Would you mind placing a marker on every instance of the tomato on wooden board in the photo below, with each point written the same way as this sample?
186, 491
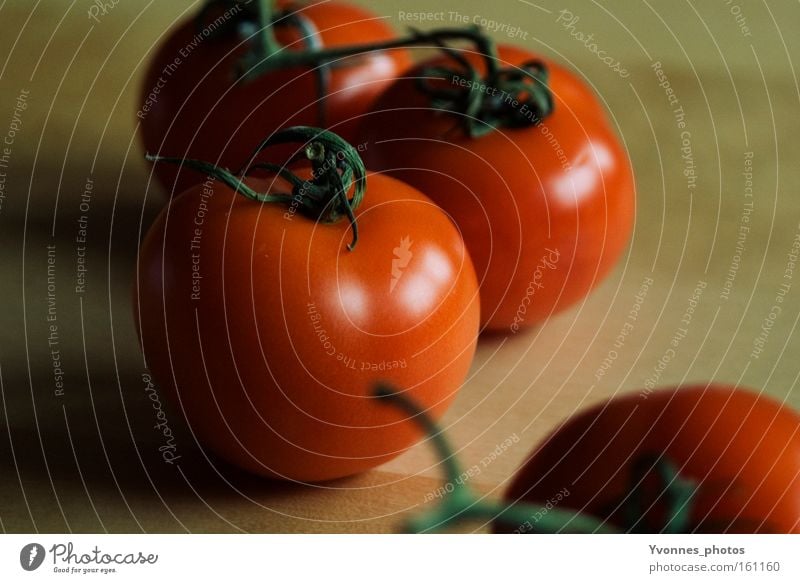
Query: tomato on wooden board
741, 450
198, 109
269, 334
545, 210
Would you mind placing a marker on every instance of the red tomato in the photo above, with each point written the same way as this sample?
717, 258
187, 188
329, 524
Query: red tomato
269, 334
741, 450
545, 210
198, 109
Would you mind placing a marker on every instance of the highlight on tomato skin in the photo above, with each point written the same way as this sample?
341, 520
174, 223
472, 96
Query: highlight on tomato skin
739, 449
268, 333
199, 109
546, 210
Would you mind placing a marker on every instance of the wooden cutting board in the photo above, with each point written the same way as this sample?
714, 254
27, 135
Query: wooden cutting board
88, 459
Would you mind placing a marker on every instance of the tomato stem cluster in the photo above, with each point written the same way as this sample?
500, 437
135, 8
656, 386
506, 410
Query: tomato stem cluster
508, 97
518, 96
336, 170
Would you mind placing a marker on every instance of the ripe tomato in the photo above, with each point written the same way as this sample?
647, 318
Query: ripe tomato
198, 109
741, 450
269, 334
545, 210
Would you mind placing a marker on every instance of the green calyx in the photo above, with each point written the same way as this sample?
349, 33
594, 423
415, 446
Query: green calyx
461, 504
336, 169
672, 491
506, 97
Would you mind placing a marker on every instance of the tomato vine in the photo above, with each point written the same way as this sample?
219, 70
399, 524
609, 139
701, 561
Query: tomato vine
336, 170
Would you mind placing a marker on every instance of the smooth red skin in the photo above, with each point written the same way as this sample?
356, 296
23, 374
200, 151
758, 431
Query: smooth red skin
741, 448
250, 337
204, 113
509, 194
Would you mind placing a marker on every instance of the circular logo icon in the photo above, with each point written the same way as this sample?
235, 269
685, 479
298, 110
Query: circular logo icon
31, 556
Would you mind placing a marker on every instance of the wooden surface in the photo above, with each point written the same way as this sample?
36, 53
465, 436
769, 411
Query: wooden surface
88, 460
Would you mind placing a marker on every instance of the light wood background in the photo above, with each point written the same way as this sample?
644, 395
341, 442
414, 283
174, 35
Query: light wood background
88, 460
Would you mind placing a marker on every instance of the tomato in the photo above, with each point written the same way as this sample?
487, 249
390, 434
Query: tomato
545, 210
198, 109
739, 449
269, 334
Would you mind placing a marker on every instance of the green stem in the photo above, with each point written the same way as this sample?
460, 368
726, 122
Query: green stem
526, 98
284, 59
267, 10
262, 14
520, 98
313, 42
462, 504
336, 169
674, 490
223, 175
452, 468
